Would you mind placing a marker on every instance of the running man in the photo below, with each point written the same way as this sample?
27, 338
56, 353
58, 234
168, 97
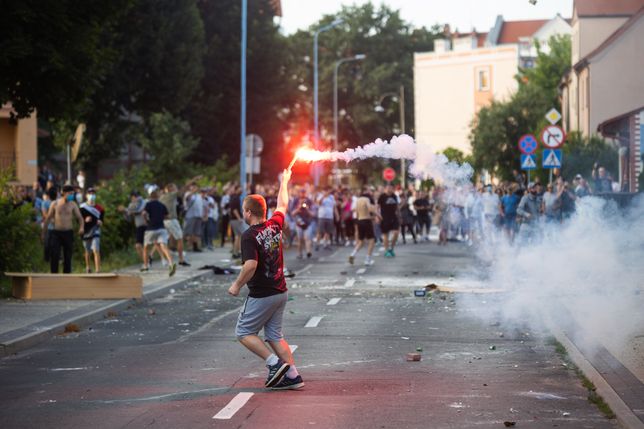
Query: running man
365, 211
390, 214
62, 212
156, 234
263, 272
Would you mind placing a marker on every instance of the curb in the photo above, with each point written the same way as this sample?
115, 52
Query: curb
29, 336
625, 416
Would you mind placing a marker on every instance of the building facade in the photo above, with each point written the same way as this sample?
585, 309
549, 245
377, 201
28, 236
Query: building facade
603, 92
466, 72
19, 146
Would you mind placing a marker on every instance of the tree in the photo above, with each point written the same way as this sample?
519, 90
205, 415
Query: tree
55, 54
497, 128
169, 143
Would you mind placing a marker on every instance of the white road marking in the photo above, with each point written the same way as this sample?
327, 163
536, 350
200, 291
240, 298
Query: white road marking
293, 347
322, 259
233, 406
313, 322
361, 271
349, 282
83, 368
333, 301
303, 270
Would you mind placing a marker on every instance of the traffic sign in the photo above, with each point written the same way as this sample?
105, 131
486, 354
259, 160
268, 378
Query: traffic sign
553, 116
528, 144
553, 136
551, 158
389, 174
528, 162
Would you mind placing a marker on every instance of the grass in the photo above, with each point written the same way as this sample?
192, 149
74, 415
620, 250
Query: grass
593, 396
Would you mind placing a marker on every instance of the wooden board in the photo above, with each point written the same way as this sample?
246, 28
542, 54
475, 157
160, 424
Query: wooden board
100, 275
69, 286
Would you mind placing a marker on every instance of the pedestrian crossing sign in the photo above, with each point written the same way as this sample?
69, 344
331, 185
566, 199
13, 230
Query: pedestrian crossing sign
552, 158
528, 162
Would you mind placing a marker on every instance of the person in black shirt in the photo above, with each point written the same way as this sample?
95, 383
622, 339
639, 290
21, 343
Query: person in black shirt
390, 214
263, 272
155, 233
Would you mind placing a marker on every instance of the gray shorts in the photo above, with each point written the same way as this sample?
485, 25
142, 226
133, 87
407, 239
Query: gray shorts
326, 226
192, 226
238, 226
155, 236
261, 313
93, 244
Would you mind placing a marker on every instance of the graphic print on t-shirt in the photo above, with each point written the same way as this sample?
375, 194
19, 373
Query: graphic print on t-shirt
263, 243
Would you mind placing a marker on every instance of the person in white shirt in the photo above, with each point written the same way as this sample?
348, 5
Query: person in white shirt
327, 212
491, 204
210, 225
192, 224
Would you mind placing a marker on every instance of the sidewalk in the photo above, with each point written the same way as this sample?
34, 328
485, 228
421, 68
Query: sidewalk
24, 324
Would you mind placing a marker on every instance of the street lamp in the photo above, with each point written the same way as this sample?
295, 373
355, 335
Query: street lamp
316, 131
400, 98
358, 57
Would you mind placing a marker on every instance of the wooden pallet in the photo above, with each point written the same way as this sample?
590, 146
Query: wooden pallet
75, 286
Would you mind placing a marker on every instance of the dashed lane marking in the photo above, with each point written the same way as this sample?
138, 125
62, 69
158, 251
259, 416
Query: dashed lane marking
313, 322
293, 347
303, 270
349, 282
361, 271
333, 301
233, 406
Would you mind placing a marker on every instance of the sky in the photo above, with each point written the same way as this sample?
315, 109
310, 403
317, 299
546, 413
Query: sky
459, 14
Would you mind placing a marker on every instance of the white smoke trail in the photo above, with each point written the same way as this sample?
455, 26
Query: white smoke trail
426, 165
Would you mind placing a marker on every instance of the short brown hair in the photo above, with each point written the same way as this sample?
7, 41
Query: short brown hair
256, 204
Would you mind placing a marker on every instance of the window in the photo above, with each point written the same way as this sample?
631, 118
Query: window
483, 79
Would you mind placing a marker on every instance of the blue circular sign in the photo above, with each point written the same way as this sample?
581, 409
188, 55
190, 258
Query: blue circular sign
528, 144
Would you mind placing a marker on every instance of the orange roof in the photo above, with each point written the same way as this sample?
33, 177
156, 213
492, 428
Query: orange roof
607, 7
480, 39
513, 30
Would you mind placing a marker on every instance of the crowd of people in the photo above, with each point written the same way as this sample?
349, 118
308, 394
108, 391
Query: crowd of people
192, 218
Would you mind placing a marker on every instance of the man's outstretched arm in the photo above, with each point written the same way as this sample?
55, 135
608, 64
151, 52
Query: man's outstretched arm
282, 195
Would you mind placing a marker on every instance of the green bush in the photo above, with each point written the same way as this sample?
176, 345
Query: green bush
20, 249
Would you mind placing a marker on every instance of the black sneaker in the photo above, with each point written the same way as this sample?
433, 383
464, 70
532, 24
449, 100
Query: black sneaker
184, 264
289, 384
276, 372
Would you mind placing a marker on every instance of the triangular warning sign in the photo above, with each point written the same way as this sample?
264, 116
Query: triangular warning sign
552, 160
528, 162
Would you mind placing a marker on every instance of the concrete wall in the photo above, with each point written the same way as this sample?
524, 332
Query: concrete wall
617, 77
446, 95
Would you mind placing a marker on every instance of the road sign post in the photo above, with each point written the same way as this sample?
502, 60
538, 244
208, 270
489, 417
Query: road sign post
553, 136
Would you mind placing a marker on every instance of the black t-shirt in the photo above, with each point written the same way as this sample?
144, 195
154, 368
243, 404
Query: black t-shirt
156, 214
95, 213
235, 204
388, 206
422, 206
263, 243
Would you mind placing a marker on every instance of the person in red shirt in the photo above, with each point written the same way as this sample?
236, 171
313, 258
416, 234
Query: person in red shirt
263, 272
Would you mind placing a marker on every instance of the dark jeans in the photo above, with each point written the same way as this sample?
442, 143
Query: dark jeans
209, 232
225, 220
64, 239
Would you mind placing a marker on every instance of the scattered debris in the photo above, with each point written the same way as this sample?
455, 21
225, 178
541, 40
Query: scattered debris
413, 357
405, 338
492, 347
71, 327
152, 312
566, 414
112, 314
431, 286
172, 291
509, 424
419, 349
420, 292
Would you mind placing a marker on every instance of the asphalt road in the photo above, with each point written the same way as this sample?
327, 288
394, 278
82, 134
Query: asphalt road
174, 362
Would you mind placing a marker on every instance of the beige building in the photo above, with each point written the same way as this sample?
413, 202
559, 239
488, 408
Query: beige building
467, 71
604, 89
19, 146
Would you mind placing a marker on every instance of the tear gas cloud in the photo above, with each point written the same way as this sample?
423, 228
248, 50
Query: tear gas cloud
583, 277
